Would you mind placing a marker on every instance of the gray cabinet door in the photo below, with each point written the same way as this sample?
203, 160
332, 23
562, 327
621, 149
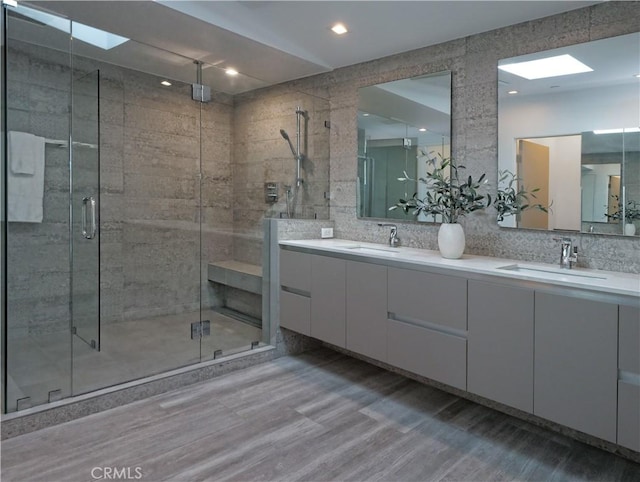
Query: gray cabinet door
500, 344
434, 298
328, 299
295, 270
576, 361
629, 391
295, 312
629, 356
436, 355
367, 309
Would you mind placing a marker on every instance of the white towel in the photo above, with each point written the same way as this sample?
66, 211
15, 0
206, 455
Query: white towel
25, 192
26, 151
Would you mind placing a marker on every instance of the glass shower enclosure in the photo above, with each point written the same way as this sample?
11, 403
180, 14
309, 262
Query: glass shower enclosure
110, 218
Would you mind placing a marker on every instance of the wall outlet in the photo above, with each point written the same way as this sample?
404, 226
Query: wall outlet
326, 233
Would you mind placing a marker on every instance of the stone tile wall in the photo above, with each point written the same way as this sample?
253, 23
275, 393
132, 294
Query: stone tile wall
473, 61
262, 155
38, 273
150, 191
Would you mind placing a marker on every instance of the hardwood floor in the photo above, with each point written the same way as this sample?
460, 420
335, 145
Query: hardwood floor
321, 416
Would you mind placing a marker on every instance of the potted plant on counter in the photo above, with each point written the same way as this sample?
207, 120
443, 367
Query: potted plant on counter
449, 195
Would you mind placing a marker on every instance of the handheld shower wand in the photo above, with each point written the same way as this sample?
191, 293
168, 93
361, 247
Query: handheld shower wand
284, 134
296, 154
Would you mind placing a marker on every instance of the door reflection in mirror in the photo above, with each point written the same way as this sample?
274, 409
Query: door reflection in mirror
590, 123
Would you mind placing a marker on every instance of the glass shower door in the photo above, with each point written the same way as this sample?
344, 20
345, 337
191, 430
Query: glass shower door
85, 192
37, 289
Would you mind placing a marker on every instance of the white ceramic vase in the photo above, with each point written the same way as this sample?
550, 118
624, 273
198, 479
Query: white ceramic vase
451, 240
629, 229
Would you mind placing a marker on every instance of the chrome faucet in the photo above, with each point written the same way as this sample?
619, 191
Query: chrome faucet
567, 255
394, 240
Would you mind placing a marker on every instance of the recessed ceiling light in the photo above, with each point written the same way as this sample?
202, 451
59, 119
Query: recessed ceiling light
549, 67
339, 29
638, 76
365, 114
166, 83
231, 72
422, 129
512, 92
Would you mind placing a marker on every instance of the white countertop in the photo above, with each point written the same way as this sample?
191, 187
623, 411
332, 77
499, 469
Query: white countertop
627, 284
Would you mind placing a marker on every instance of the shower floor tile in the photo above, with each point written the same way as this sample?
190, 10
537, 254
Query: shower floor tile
128, 350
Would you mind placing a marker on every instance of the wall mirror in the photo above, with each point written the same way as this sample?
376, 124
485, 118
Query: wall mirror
574, 136
400, 125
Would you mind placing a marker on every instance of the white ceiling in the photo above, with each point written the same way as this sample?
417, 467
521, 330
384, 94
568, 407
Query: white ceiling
276, 41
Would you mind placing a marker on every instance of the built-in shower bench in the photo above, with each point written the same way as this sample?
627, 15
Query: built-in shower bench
241, 293
236, 274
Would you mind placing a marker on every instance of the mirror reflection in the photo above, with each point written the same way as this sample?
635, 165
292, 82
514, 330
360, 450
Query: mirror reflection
401, 125
574, 136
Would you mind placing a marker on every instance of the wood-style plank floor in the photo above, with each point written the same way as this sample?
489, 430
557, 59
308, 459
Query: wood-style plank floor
316, 417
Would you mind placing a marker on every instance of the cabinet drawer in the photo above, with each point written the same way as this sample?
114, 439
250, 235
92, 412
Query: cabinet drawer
429, 297
295, 270
629, 415
439, 356
295, 312
629, 339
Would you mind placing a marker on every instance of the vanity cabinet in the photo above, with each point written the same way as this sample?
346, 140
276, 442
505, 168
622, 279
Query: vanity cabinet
367, 309
576, 362
295, 270
314, 291
566, 355
426, 329
629, 380
328, 299
295, 291
500, 339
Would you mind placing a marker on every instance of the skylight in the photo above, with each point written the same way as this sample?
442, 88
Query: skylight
95, 36
91, 35
617, 131
544, 68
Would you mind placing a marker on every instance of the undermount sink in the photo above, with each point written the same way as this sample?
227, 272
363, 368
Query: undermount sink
370, 249
540, 270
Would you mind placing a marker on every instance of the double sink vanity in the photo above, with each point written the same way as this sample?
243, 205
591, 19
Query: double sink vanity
562, 345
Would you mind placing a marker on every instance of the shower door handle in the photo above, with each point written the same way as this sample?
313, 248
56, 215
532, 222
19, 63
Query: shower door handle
88, 227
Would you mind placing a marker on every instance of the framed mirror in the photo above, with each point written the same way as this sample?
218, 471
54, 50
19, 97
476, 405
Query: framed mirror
575, 137
400, 125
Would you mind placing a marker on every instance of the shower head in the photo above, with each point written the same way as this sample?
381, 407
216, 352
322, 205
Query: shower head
284, 134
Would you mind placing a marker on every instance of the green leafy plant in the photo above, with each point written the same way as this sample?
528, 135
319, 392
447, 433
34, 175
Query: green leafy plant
631, 211
512, 198
449, 194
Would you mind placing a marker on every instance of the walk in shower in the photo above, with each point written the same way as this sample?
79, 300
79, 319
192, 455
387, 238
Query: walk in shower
114, 216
